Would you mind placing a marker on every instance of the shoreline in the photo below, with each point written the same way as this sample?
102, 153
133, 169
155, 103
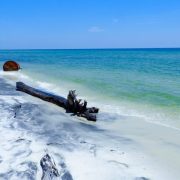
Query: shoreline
26, 137
67, 140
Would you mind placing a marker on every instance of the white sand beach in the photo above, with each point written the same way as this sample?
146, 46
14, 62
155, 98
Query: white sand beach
125, 149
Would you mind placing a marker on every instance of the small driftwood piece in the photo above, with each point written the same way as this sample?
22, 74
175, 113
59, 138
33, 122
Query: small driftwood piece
49, 168
71, 104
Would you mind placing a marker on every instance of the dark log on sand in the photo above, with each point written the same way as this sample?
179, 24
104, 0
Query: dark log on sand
11, 66
58, 100
71, 104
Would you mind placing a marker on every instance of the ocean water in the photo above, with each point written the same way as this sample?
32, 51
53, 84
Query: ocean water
136, 82
137, 133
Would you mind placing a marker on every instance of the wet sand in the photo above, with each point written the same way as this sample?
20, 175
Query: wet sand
30, 128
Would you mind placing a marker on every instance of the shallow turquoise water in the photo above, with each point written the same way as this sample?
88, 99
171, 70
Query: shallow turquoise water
144, 77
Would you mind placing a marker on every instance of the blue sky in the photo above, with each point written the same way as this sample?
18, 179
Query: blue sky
89, 23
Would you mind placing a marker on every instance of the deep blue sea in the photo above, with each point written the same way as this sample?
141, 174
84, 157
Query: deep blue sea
136, 82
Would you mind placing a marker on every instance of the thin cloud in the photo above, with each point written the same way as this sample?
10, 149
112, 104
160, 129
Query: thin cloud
95, 29
115, 20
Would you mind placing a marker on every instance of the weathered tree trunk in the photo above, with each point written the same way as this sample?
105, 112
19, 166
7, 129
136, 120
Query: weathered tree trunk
71, 104
58, 100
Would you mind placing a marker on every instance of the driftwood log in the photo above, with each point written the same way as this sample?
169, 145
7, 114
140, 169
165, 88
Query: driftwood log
51, 172
49, 168
71, 104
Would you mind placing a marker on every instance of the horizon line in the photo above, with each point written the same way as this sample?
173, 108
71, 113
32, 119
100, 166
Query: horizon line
90, 48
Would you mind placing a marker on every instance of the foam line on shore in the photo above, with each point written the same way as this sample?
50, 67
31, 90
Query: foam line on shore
125, 109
